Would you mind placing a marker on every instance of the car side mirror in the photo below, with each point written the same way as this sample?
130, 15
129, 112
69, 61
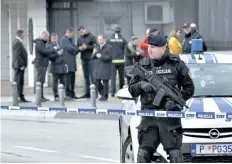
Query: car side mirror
124, 94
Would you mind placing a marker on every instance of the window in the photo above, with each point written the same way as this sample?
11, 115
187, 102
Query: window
62, 5
158, 13
154, 13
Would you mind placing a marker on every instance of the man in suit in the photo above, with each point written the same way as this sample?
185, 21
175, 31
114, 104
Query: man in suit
58, 67
70, 52
102, 64
19, 63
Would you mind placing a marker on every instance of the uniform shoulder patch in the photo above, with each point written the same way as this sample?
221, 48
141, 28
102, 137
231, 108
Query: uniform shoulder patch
174, 57
145, 61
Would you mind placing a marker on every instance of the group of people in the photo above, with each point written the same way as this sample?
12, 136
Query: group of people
101, 58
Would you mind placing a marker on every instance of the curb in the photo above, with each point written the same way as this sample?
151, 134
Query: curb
62, 115
56, 115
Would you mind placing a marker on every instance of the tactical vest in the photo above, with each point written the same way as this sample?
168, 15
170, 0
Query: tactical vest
169, 71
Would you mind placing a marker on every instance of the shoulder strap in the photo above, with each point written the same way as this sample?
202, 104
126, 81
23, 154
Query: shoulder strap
175, 58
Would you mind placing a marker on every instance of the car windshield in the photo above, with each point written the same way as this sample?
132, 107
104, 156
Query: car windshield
212, 79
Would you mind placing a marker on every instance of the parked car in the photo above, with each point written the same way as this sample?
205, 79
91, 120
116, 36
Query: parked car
204, 140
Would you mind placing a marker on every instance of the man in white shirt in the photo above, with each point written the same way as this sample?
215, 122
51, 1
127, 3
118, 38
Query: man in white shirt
19, 63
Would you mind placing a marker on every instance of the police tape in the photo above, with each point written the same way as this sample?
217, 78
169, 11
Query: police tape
151, 113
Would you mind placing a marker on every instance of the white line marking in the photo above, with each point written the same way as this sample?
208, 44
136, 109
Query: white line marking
98, 158
35, 149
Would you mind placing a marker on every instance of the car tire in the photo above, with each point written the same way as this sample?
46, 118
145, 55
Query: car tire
127, 151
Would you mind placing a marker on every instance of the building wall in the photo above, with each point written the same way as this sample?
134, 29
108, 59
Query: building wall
215, 23
15, 15
5, 56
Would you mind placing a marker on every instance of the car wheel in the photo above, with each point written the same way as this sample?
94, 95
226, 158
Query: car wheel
127, 151
128, 154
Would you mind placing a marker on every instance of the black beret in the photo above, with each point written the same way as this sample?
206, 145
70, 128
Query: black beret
157, 40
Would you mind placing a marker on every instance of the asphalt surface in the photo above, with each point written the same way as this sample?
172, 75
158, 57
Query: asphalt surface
53, 140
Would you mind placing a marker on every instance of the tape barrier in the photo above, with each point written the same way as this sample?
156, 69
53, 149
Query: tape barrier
151, 113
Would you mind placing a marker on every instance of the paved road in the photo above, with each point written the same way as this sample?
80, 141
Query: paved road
59, 140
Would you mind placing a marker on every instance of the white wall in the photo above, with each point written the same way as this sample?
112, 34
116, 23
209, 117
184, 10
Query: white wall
5, 75
36, 11
13, 18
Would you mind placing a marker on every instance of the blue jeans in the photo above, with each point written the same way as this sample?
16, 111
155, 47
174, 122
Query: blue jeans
87, 67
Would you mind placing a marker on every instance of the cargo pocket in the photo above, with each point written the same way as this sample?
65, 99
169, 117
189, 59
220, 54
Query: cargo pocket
177, 133
141, 130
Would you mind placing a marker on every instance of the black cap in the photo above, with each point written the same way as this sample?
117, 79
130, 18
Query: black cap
157, 40
186, 25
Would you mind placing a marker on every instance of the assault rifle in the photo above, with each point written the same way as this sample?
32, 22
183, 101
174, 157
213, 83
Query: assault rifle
160, 86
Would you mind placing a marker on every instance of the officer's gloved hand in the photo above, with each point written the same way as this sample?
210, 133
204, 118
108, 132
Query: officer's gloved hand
170, 105
146, 86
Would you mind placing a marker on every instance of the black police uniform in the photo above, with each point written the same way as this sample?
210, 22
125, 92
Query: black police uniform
152, 130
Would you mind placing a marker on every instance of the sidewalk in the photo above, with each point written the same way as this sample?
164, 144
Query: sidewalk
112, 103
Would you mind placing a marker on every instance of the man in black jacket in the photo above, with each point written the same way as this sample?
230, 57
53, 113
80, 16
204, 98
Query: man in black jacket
70, 52
118, 44
19, 63
42, 53
86, 44
58, 67
132, 54
191, 33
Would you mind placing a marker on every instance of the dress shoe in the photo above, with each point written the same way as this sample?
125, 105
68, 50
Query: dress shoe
74, 97
44, 99
56, 99
84, 96
24, 100
68, 98
103, 99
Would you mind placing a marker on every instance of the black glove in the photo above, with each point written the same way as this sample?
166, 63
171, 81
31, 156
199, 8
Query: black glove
169, 105
146, 86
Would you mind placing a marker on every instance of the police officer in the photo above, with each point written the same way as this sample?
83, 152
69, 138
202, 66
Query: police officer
152, 130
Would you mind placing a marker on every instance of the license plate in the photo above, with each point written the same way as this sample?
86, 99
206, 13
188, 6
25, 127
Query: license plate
211, 149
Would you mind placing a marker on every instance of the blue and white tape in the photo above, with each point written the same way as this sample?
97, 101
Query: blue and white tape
152, 113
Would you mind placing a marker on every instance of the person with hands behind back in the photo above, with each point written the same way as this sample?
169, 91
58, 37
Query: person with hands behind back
102, 67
